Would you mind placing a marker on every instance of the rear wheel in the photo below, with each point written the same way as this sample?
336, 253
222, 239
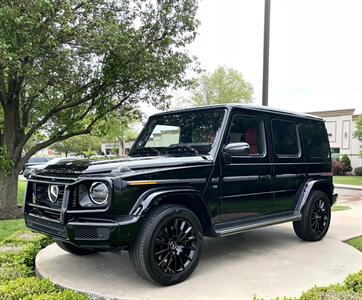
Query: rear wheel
316, 218
74, 249
167, 248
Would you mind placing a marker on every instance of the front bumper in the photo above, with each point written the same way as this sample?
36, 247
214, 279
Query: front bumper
88, 233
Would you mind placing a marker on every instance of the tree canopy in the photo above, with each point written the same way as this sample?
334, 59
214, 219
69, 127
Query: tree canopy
65, 65
358, 132
224, 85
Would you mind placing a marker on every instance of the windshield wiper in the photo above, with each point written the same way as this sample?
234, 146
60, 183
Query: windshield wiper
148, 151
181, 149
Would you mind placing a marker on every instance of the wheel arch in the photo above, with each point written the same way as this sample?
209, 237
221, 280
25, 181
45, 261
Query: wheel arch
323, 185
189, 198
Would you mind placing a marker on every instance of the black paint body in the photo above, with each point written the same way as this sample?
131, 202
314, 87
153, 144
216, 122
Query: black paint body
224, 192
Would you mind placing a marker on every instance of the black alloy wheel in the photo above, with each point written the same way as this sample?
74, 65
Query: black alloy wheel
175, 246
316, 217
168, 246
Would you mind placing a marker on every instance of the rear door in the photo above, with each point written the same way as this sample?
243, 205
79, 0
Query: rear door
246, 180
288, 166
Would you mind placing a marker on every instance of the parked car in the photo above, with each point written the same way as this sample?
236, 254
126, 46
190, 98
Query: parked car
29, 170
211, 171
36, 160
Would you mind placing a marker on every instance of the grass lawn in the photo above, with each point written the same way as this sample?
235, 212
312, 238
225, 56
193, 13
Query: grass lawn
351, 180
7, 227
356, 242
21, 192
340, 207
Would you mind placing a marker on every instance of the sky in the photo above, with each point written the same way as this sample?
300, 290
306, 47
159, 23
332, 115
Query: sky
315, 49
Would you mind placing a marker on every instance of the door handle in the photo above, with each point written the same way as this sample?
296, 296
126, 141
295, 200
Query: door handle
264, 177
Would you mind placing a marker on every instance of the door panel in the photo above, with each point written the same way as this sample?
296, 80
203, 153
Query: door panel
246, 180
288, 164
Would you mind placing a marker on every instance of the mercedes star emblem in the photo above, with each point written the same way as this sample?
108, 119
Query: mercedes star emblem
53, 192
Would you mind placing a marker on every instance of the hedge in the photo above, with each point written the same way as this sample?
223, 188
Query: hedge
17, 278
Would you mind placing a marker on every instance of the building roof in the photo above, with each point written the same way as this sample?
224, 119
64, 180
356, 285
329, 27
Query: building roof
333, 113
248, 107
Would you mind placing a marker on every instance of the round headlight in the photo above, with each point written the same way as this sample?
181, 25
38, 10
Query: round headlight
98, 193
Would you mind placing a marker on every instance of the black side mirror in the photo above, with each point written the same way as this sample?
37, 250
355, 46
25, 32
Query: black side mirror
237, 149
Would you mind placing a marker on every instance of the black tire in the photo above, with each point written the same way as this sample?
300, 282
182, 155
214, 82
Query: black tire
74, 249
316, 217
165, 250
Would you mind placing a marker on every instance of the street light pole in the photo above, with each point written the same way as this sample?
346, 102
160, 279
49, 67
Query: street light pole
266, 53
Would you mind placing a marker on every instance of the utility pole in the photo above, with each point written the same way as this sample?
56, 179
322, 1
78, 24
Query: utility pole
266, 53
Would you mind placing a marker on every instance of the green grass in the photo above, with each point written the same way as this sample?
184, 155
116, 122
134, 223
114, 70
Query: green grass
350, 180
8, 227
340, 207
21, 192
356, 242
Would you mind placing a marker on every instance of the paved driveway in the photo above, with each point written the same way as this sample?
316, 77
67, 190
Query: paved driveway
267, 262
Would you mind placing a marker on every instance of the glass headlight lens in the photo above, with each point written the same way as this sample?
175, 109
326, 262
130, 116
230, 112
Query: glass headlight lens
98, 193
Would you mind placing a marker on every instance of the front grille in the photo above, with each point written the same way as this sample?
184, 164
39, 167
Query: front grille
91, 233
50, 227
41, 195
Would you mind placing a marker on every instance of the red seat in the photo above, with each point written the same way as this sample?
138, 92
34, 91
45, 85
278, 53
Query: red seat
251, 137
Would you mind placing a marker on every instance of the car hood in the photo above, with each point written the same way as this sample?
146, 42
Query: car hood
125, 166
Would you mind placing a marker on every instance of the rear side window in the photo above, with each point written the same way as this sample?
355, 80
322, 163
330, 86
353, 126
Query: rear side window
285, 138
315, 141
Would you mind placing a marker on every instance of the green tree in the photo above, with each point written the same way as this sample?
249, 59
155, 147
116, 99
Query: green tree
64, 65
224, 85
346, 163
358, 133
80, 145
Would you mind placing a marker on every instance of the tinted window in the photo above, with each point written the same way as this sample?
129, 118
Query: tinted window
285, 138
248, 130
315, 141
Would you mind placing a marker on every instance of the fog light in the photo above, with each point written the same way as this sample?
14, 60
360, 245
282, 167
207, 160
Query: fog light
98, 193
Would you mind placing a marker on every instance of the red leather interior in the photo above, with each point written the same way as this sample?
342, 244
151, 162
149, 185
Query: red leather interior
251, 137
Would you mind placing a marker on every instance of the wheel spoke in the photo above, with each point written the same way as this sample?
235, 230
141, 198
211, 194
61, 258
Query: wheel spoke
161, 251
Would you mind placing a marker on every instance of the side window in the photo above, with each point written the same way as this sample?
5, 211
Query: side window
315, 141
249, 130
285, 138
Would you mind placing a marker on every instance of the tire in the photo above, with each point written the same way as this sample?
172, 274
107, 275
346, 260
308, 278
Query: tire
74, 249
316, 218
167, 248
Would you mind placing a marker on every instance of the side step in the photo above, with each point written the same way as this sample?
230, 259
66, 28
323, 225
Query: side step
241, 226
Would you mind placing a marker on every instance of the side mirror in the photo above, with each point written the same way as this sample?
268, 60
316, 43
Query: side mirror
237, 149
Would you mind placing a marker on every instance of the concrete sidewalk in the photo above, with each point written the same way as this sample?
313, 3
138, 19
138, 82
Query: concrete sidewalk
268, 262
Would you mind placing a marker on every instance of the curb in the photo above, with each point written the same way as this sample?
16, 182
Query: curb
348, 187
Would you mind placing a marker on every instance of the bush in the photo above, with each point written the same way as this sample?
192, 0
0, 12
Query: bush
22, 287
346, 163
9, 271
354, 282
337, 168
63, 295
358, 171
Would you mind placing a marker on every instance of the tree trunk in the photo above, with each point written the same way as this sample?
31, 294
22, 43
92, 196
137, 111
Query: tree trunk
8, 193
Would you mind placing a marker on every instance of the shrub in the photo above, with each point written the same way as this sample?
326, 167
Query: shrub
63, 295
354, 282
337, 168
358, 171
22, 287
346, 163
9, 271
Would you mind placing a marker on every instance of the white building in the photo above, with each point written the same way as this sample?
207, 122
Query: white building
341, 124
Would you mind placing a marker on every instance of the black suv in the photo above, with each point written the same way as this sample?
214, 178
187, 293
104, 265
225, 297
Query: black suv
211, 171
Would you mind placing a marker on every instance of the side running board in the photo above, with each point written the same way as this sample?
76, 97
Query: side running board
245, 226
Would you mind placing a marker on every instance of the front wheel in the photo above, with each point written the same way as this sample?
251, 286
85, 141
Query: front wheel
168, 246
74, 249
316, 218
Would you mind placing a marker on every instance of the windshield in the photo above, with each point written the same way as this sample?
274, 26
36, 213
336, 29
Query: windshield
180, 134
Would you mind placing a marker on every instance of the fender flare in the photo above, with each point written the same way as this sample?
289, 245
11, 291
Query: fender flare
145, 201
307, 189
